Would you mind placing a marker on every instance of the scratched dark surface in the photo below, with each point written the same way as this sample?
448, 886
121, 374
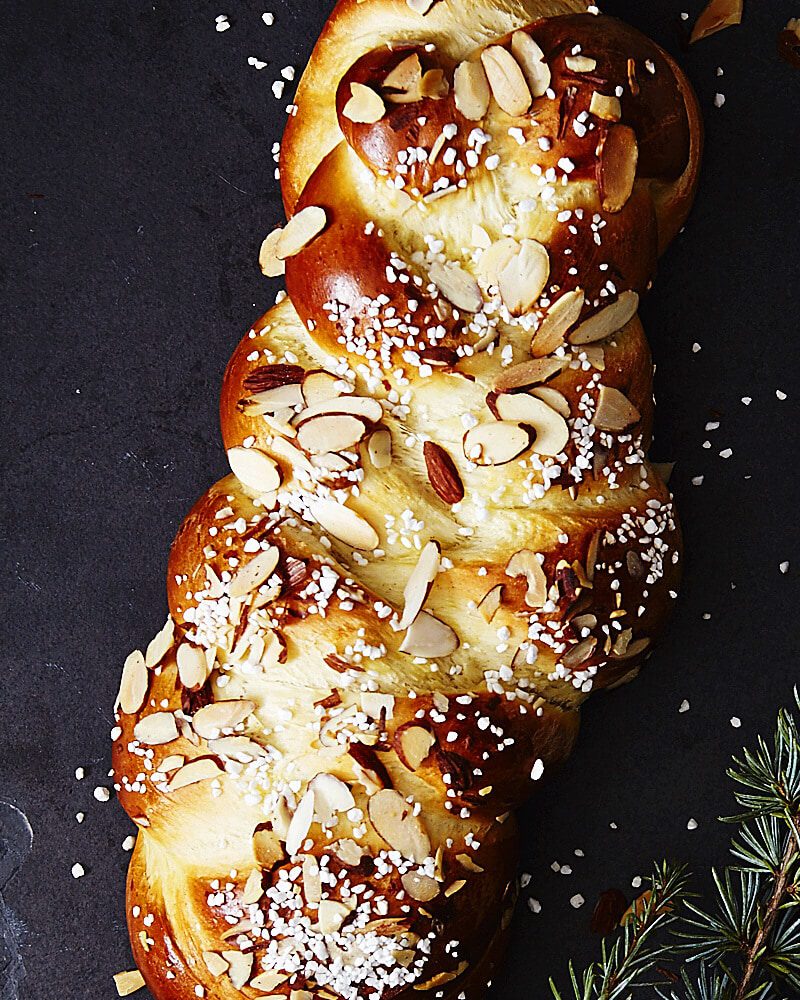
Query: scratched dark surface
136, 187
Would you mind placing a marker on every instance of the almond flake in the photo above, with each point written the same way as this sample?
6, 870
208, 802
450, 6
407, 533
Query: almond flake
269, 980
434, 85
506, 80
552, 432
407, 75
192, 666
312, 883
300, 230
458, 287
490, 602
419, 583
608, 320
215, 963
128, 982
365, 106
495, 443
394, 820
331, 915
253, 888
238, 748
428, 637
717, 15
528, 373
300, 823
420, 6
133, 683
379, 449
343, 523
561, 316
531, 59
240, 966
605, 106
466, 862
331, 797
579, 653
267, 848
524, 277
254, 469
319, 387
471, 90
250, 575
581, 64
614, 410
423, 888
415, 745
618, 155
455, 887
209, 721
330, 433
156, 729
356, 406
526, 563
377, 705
495, 258
160, 645
276, 398
200, 769
271, 265
554, 399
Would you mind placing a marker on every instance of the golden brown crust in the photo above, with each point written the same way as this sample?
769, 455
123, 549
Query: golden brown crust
441, 531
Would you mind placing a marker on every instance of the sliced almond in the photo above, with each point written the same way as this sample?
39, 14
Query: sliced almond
267, 849
471, 90
331, 797
215, 963
331, 915
561, 316
209, 721
580, 64
156, 729
200, 769
605, 106
608, 320
269, 980
271, 265
395, 821
171, 763
240, 966
416, 743
496, 257
312, 883
319, 387
343, 523
506, 80
160, 645
377, 705
466, 862
458, 287
128, 982
434, 84
356, 406
455, 887
406, 75
379, 449
421, 887
614, 410
490, 602
348, 852
254, 469
633, 649
133, 683
300, 230
300, 823
420, 6
531, 59
579, 653
617, 157
419, 583
192, 666
524, 277
429, 637
238, 748
552, 432
365, 105
274, 399
254, 572
330, 432
526, 563
528, 373
554, 399
253, 888
717, 15
496, 443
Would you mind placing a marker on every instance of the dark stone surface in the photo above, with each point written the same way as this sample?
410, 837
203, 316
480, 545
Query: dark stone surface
136, 186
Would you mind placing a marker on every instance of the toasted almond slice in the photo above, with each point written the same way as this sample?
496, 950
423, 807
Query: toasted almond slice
553, 398
192, 666
416, 743
608, 320
524, 277
319, 387
200, 769
579, 653
406, 75
300, 823
343, 523
419, 583
268, 980
379, 448
580, 64
605, 106
466, 862
215, 963
506, 80
442, 473
160, 645
210, 720
250, 575
528, 373
331, 915
238, 748
240, 966
395, 821
633, 649
717, 15
496, 257
365, 105
491, 601
348, 852
532, 62
458, 287
356, 406
171, 763
254, 469
526, 563
253, 888
455, 887
272, 400
421, 887
312, 883
267, 848
428, 637
133, 683
331, 797
156, 729
552, 432
300, 230
434, 84
617, 157
377, 705
330, 432
479, 237
271, 265
128, 982
495, 443
561, 316
614, 410
471, 90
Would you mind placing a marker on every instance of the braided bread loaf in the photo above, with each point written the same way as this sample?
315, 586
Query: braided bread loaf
441, 531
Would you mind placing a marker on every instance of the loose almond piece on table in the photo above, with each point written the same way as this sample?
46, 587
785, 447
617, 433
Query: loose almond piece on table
300, 230
552, 432
133, 683
506, 80
419, 583
429, 637
192, 666
395, 821
442, 473
717, 15
531, 59
271, 265
210, 720
528, 373
614, 410
617, 157
197, 770
496, 443
365, 106
254, 572
560, 317
128, 982
379, 448
526, 563
156, 729
415, 743
254, 469
471, 90
343, 523
605, 106
458, 287
330, 432
524, 277
160, 645
607, 321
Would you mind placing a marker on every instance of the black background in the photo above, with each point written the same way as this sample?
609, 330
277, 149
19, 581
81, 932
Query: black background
137, 184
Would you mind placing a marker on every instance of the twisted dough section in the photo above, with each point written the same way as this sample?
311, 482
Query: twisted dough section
442, 531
